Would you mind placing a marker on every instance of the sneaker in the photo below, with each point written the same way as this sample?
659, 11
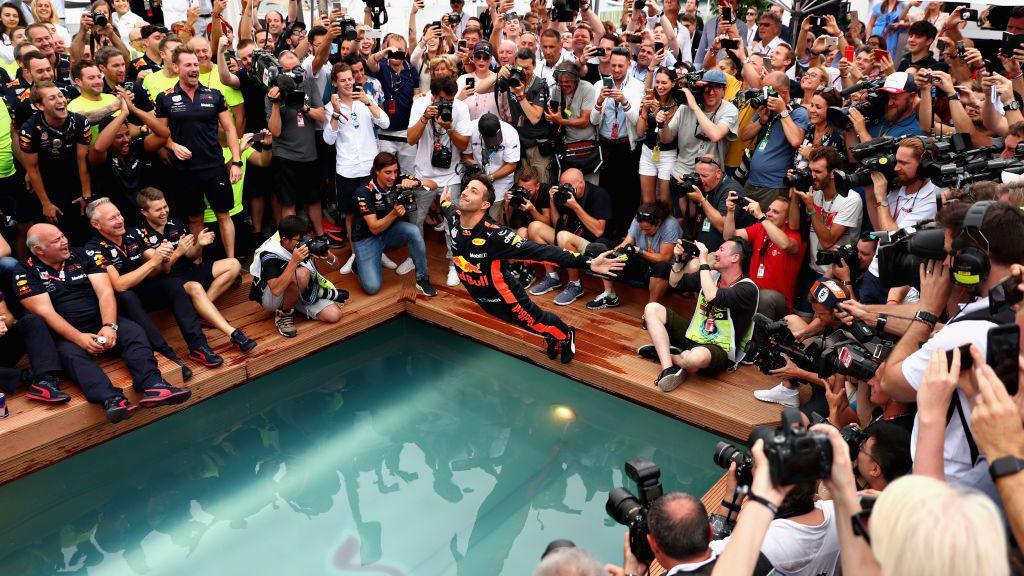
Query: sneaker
163, 394
205, 356
118, 408
285, 322
453, 277
334, 239
552, 347
244, 343
572, 292
47, 390
545, 285
346, 268
670, 378
186, 372
779, 395
424, 287
569, 346
648, 352
603, 301
387, 262
405, 267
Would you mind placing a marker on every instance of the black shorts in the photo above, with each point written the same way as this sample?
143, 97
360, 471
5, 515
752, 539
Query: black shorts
211, 184
638, 271
17, 202
345, 190
259, 181
297, 182
676, 326
201, 273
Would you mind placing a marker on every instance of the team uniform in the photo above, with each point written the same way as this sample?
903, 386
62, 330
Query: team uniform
184, 268
57, 149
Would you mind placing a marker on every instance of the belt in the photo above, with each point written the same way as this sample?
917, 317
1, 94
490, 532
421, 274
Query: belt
391, 138
210, 15
615, 140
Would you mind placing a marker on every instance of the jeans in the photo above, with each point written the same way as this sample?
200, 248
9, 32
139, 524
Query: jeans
369, 251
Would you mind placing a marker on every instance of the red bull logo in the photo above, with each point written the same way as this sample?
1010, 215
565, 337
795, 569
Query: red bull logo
461, 263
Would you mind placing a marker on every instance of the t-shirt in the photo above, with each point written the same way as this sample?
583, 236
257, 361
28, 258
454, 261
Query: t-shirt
173, 232
369, 200
909, 210
194, 124
773, 154
398, 94
125, 258
706, 231
796, 549
536, 94
297, 141
425, 146
58, 153
691, 140
492, 160
771, 268
121, 178
83, 105
844, 211
69, 288
909, 126
584, 98
156, 83
254, 95
667, 233
595, 202
740, 299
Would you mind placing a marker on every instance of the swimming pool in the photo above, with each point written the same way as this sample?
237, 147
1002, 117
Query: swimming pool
406, 450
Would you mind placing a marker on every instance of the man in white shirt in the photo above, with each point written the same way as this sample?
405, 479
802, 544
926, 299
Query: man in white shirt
494, 146
551, 55
769, 27
835, 219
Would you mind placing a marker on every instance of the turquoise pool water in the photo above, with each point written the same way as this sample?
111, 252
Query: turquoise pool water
405, 451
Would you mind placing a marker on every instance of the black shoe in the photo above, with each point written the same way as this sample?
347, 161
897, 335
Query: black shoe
163, 394
244, 343
647, 352
425, 288
186, 372
118, 408
670, 378
47, 390
206, 356
552, 347
569, 346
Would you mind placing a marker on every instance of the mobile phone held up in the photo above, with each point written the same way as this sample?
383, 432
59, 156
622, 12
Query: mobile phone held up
727, 15
1002, 352
470, 83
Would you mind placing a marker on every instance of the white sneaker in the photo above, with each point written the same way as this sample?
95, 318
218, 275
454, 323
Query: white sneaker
405, 267
347, 267
387, 262
453, 277
439, 227
779, 395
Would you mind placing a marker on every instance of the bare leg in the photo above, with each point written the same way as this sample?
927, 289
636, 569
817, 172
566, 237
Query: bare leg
224, 273
655, 318
647, 188
664, 192
331, 314
656, 288
206, 309
572, 242
541, 232
316, 216
693, 359
257, 206
227, 233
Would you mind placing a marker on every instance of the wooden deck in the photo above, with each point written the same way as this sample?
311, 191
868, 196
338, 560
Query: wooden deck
36, 435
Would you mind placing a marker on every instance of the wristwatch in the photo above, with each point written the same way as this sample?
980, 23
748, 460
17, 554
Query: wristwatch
1005, 466
881, 321
238, 163
883, 203
1013, 105
705, 267
111, 325
784, 114
927, 318
953, 96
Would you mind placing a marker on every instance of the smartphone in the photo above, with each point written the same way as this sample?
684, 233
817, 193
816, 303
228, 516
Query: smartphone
658, 47
634, 38
335, 7
599, 52
879, 54
850, 54
817, 21
1002, 352
229, 54
727, 15
509, 16
1011, 42
966, 360
470, 82
832, 41
969, 15
961, 50
730, 43
397, 55
462, 44
607, 83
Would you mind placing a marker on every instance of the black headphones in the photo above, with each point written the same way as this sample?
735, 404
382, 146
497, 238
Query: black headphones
970, 263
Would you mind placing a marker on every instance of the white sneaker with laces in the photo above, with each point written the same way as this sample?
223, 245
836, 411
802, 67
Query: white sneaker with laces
387, 262
779, 395
453, 277
405, 267
347, 267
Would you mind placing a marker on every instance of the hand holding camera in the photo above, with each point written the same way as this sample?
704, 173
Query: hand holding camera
300, 252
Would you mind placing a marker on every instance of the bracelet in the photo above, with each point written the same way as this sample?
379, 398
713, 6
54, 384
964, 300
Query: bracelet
1016, 76
763, 502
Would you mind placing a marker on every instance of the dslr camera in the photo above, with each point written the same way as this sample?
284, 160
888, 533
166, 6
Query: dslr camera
404, 196
99, 19
454, 18
444, 110
348, 29
799, 179
517, 197
516, 77
564, 10
562, 195
317, 247
630, 510
795, 454
846, 254
686, 181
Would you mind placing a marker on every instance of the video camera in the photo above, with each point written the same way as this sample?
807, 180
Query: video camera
631, 511
266, 69
900, 255
772, 342
564, 10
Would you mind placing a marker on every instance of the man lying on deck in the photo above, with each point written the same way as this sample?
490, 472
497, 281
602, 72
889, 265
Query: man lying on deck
481, 251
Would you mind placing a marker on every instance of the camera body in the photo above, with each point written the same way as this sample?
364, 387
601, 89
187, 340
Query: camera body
444, 110
900, 258
853, 436
795, 454
847, 253
687, 181
454, 18
517, 197
562, 195
630, 510
348, 29
317, 247
800, 179
564, 10
266, 69
99, 19
726, 454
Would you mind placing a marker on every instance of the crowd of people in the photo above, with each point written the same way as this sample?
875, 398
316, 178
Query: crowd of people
762, 165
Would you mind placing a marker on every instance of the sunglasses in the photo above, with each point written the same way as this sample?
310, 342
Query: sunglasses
825, 90
703, 160
645, 217
481, 56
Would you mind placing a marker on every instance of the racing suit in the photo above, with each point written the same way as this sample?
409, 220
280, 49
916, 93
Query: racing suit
482, 256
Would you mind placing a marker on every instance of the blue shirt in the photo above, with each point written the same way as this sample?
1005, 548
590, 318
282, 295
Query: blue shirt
773, 154
613, 115
909, 126
398, 90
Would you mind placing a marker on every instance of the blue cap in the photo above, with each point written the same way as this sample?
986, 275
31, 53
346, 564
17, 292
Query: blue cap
714, 76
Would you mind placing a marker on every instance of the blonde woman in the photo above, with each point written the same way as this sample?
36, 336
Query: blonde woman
432, 45
125, 20
43, 12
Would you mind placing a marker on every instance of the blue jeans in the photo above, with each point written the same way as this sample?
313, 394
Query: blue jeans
369, 251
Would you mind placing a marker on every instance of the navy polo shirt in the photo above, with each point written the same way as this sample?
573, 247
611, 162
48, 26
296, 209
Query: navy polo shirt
173, 231
398, 90
126, 257
194, 124
68, 286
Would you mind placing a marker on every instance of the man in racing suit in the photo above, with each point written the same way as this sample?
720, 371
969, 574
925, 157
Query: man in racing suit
481, 252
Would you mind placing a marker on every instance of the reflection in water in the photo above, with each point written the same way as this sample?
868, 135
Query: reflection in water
405, 451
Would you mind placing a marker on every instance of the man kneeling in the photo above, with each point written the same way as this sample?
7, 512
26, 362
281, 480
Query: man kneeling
713, 340
284, 279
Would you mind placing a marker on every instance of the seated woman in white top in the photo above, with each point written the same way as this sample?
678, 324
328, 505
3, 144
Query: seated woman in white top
125, 20
43, 12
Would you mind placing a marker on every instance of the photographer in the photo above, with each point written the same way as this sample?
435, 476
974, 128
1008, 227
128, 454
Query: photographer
399, 83
534, 205
649, 243
856, 277
380, 225
911, 203
777, 130
704, 204
777, 252
713, 340
705, 126
883, 454
900, 118
835, 219
522, 102
569, 111
284, 279
998, 238
494, 147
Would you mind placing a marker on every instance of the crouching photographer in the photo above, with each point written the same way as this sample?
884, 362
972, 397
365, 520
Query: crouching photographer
714, 339
285, 278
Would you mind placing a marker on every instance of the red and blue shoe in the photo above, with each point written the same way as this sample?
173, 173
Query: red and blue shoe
47, 390
163, 394
118, 408
206, 356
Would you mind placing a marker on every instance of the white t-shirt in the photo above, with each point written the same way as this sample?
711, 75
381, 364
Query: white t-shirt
908, 210
799, 550
843, 211
507, 153
425, 146
320, 80
354, 140
956, 454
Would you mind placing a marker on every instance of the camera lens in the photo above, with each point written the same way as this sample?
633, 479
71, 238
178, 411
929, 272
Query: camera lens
724, 454
621, 505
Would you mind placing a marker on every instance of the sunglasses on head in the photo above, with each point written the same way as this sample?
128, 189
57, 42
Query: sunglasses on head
645, 217
703, 160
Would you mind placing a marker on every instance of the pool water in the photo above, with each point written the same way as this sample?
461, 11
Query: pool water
407, 450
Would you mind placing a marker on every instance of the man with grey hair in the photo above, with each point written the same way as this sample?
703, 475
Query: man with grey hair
569, 562
69, 290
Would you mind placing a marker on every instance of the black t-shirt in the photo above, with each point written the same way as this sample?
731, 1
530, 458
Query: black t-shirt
57, 150
928, 62
121, 178
595, 202
69, 288
537, 94
173, 231
519, 218
253, 93
139, 65
370, 200
740, 300
194, 124
124, 258
707, 233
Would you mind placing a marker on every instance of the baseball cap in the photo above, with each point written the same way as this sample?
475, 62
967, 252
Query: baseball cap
149, 29
714, 77
898, 83
483, 46
566, 68
828, 293
490, 130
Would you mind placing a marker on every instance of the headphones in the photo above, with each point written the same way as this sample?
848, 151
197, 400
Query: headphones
970, 263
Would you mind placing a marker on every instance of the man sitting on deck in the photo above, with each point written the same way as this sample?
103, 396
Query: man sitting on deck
481, 250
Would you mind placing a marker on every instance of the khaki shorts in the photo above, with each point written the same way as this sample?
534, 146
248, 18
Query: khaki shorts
676, 326
273, 303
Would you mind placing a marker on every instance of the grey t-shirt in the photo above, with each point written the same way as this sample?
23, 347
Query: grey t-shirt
691, 140
667, 233
297, 143
584, 98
